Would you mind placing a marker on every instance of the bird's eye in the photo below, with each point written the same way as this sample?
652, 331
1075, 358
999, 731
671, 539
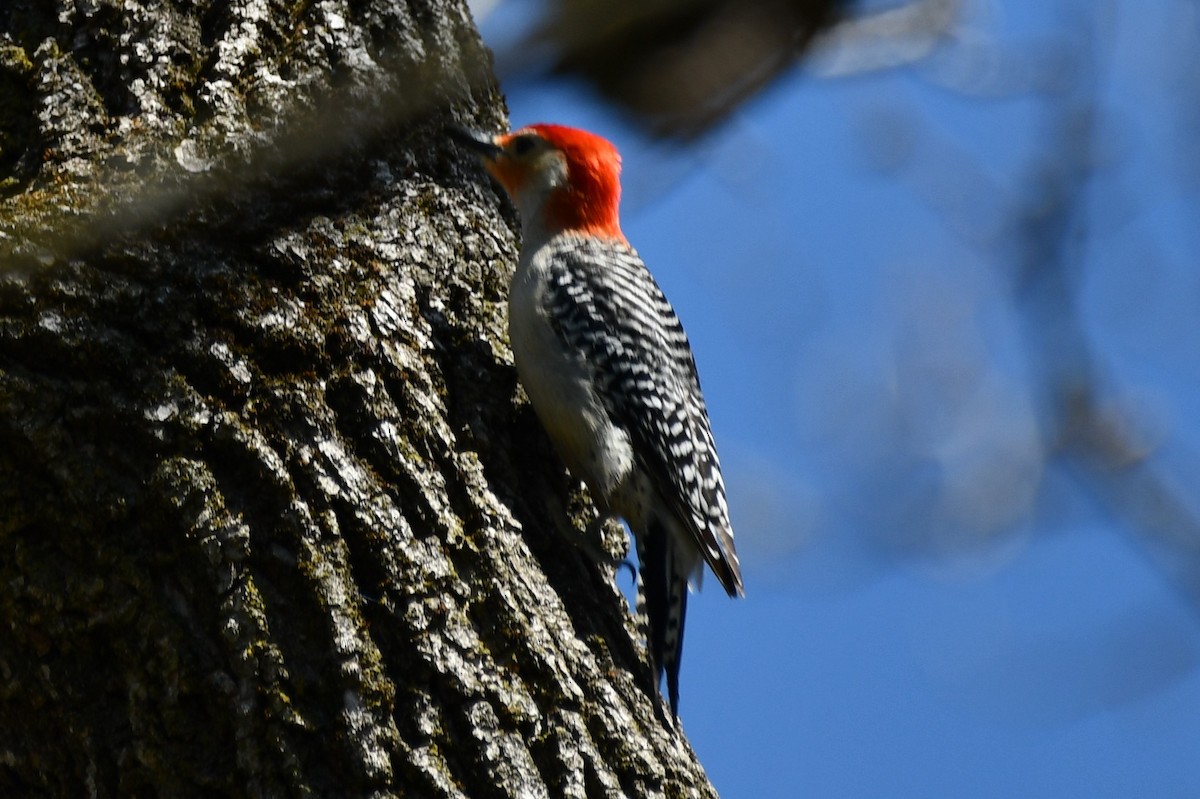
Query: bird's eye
523, 145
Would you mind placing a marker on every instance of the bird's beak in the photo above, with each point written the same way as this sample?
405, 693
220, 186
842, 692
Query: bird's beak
481, 144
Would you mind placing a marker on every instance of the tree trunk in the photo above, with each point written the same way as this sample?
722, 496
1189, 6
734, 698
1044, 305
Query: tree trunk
274, 518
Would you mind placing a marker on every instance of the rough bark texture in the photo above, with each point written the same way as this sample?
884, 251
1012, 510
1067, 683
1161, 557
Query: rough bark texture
274, 519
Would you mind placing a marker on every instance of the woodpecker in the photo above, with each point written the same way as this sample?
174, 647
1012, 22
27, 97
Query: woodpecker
610, 373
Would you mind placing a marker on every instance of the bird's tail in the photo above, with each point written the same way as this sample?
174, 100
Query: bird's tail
662, 602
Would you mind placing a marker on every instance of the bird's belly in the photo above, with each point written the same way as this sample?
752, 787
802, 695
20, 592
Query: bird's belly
559, 385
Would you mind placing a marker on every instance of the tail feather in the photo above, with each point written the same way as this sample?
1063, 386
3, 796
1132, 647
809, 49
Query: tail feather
663, 596
673, 646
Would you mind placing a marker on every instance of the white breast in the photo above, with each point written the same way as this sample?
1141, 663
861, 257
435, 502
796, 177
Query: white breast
559, 385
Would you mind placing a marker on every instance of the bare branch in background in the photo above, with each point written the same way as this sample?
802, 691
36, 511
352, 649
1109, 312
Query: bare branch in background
887, 39
683, 67
1097, 439
1038, 232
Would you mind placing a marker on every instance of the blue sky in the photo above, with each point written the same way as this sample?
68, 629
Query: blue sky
935, 605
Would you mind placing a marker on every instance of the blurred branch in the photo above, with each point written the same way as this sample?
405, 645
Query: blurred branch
682, 67
1040, 231
1095, 440
886, 39
1043, 232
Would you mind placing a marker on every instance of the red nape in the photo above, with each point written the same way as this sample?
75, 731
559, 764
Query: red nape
590, 201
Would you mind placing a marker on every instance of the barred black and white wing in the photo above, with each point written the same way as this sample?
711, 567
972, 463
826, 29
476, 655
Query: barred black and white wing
606, 306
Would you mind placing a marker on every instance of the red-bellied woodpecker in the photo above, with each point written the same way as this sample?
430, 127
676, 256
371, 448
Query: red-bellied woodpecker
610, 372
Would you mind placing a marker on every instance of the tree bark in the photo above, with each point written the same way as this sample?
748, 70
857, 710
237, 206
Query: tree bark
274, 517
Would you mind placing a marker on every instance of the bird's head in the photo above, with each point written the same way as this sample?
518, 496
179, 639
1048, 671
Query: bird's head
560, 178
